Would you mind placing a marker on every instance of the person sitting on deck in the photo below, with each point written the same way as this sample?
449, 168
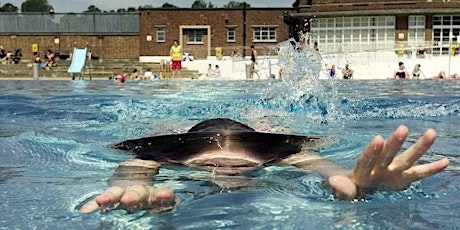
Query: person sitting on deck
49, 59
17, 56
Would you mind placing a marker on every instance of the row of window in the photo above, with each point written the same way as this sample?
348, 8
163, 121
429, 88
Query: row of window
363, 33
344, 34
195, 36
351, 33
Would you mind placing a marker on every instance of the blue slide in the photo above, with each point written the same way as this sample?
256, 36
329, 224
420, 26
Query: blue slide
78, 60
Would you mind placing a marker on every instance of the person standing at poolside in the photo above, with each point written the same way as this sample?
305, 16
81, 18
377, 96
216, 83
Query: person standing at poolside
176, 58
254, 62
347, 72
401, 72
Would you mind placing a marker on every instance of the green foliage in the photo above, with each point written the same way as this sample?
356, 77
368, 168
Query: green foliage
129, 9
168, 5
36, 6
92, 9
202, 4
8, 7
235, 4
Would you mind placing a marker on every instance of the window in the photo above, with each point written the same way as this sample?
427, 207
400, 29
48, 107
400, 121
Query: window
416, 32
195, 36
161, 34
351, 34
231, 34
445, 27
264, 34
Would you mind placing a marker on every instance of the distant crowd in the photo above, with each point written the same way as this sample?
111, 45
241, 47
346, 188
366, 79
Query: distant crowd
8, 57
417, 73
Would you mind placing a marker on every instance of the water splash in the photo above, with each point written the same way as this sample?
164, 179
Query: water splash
300, 90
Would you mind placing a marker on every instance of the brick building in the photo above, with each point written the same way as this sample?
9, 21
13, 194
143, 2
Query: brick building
109, 35
201, 31
350, 25
337, 25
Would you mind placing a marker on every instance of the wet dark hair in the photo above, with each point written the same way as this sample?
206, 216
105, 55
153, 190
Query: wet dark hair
401, 63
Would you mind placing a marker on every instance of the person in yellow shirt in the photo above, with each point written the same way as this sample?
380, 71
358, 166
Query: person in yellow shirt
176, 58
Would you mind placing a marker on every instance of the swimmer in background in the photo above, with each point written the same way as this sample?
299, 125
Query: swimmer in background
148, 74
216, 72
210, 71
417, 72
120, 78
443, 75
401, 72
347, 72
331, 71
134, 75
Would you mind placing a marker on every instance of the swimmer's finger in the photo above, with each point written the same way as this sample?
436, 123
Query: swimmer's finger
411, 155
421, 171
367, 160
135, 196
392, 146
110, 197
89, 207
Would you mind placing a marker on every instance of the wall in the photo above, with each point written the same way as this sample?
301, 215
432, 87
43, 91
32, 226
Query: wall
218, 19
120, 46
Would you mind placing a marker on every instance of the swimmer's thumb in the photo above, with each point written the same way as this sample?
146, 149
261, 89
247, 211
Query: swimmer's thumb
343, 187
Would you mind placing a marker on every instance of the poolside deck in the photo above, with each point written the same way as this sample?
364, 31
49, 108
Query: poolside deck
95, 69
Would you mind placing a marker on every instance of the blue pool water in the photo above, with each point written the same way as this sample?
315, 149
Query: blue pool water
54, 138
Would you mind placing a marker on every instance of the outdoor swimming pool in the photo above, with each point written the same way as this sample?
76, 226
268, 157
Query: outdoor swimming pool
54, 138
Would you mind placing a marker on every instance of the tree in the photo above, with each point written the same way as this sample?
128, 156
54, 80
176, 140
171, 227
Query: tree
168, 5
202, 4
92, 9
36, 6
235, 4
8, 7
129, 9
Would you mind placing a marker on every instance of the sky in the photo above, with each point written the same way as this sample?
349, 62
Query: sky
77, 6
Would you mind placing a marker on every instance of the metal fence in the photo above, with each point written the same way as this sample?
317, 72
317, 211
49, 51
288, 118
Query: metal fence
70, 23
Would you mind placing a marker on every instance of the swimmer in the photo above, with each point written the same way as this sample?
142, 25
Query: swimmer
401, 72
229, 148
347, 72
443, 75
417, 72
120, 78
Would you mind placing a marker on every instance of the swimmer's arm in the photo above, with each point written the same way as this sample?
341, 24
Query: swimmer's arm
379, 167
312, 162
135, 171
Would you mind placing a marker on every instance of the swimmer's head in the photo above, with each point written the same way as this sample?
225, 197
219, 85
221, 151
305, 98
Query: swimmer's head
120, 78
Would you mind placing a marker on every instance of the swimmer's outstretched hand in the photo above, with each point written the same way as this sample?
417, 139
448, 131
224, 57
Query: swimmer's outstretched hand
135, 197
378, 167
